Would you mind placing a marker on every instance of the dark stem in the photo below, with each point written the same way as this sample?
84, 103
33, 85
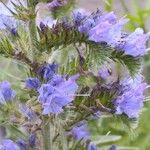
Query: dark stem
22, 57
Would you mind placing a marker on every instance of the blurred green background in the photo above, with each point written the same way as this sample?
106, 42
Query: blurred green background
138, 11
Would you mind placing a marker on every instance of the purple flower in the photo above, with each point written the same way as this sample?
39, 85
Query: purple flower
8, 22
46, 22
107, 31
14, 31
8, 145
32, 83
130, 102
104, 72
80, 132
32, 140
6, 93
96, 115
57, 3
27, 112
22, 144
101, 27
113, 147
57, 93
79, 15
135, 43
91, 147
110, 17
106, 28
47, 71
87, 25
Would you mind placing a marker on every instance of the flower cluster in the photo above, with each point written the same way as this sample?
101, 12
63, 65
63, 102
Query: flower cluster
106, 28
62, 97
131, 99
57, 93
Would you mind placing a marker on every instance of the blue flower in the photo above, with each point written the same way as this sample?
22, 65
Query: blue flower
102, 27
45, 22
78, 16
130, 102
135, 43
32, 140
57, 3
57, 93
27, 112
96, 115
80, 132
86, 26
106, 28
8, 22
6, 93
47, 71
91, 147
8, 144
22, 144
104, 72
32, 83
107, 31
113, 147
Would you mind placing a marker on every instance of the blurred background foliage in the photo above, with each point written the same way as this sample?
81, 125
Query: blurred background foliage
134, 135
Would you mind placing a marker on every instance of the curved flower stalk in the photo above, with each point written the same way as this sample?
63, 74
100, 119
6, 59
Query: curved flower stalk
106, 28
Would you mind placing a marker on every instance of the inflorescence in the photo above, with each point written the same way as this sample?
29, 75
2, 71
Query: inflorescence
57, 92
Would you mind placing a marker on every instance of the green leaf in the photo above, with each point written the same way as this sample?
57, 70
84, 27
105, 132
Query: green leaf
105, 139
98, 54
6, 47
14, 132
133, 64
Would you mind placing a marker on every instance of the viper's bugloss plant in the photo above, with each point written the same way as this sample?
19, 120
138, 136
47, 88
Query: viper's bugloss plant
81, 67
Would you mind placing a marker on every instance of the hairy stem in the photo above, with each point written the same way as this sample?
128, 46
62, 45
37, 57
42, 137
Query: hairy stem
46, 135
32, 33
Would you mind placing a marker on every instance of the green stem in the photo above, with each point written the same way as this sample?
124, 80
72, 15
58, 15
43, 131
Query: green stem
32, 38
46, 135
32, 32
